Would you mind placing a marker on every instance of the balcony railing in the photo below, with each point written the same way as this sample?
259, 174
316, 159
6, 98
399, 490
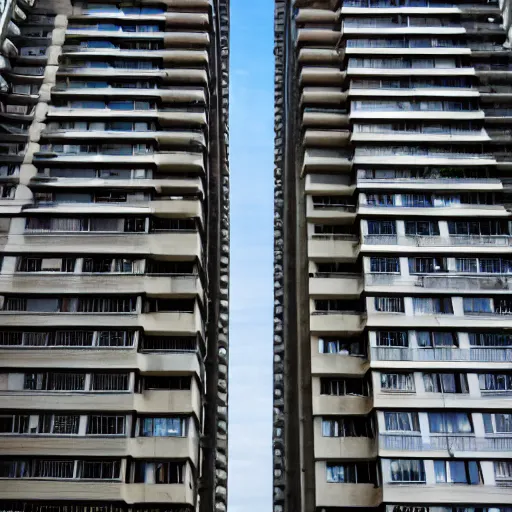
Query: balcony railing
442, 281
438, 241
327, 236
449, 443
476, 354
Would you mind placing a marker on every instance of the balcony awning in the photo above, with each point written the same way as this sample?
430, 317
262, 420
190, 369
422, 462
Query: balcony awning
4, 86
4, 63
19, 14
13, 29
9, 49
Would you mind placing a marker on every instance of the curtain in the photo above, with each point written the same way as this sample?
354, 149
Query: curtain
401, 421
407, 471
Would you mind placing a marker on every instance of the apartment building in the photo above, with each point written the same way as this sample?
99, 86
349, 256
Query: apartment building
393, 256
114, 233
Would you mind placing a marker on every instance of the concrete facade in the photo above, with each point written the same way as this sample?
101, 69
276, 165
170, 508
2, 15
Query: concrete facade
114, 240
393, 229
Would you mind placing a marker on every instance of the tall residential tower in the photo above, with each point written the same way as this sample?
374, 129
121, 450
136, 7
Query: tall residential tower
393, 256
114, 240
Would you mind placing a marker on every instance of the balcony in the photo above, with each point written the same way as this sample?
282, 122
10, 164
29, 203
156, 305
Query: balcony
457, 445
177, 244
161, 401
326, 160
437, 354
350, 495
341, 212
344, 447
441, 282
445, 494
335, 322
54, 490
168, 285
454, 243
92, 446
335, 285
17, 358
333, 247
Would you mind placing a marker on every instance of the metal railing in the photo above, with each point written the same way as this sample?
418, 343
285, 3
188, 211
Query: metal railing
476, 354
449, 443
442, 281
438, 241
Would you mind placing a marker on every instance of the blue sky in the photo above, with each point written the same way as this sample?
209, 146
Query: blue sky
251, 140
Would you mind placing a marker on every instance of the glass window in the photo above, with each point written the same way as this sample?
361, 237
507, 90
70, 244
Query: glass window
402, 421
435, 339
477, 305
457, 472
389, 304
407, 471
163, 427
397, 382
392, 339
445, 383
388, 265
450, 423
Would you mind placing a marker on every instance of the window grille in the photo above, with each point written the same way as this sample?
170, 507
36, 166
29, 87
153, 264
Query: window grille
110, 381
104, 425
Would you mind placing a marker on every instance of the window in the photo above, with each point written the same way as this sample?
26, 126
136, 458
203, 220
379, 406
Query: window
466, 265
52, 468
169, 344
347, 427
99, 470
445, 383
352, 473
116, 338
427, 265
406, 471
165, 472
421, 228
343, 346
495, 266
457, 472
432, 306
389, 304
401, 422
344, 386
381, 227
397, 382
105, 425
499, 423
477, 305
450, 423
163, 427
58, 381
503, 472
58, 424
380, 199
30, 264
483, 227
497, 382
72, 339
388, 265
435, 339
166, 383
392, 339
14, 424
110, 382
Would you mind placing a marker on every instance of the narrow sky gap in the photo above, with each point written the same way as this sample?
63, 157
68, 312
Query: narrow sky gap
251, 139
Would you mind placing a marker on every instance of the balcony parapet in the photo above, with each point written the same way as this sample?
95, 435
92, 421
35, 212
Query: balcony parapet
443, 282
476, 354
438, 241
446, 443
